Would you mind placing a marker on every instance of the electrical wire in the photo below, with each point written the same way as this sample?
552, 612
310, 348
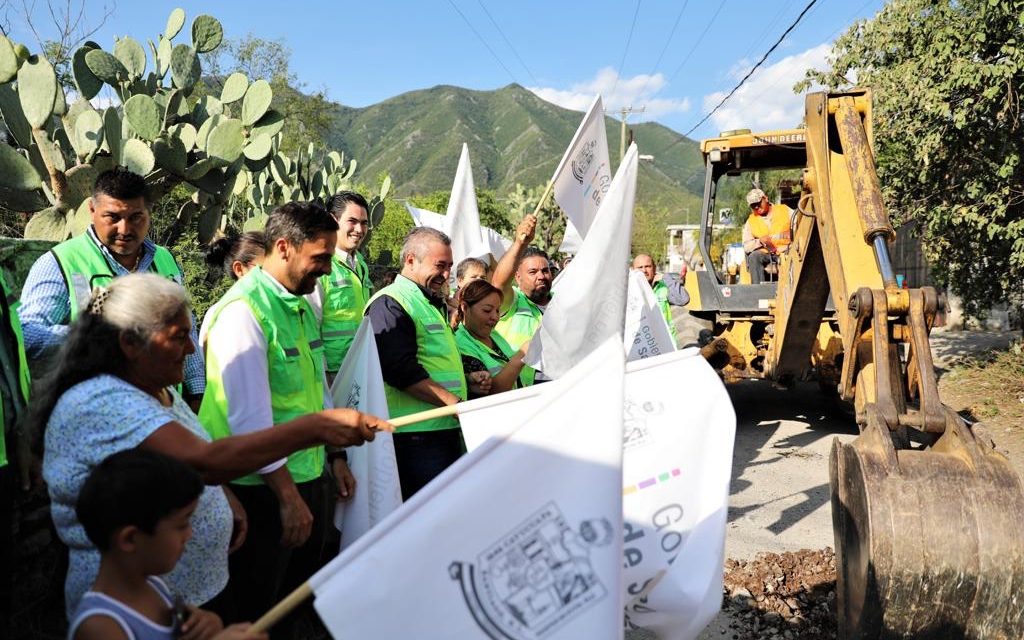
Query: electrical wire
697, 43
664, 49
510, 46
479, 37
755, 67
625, 51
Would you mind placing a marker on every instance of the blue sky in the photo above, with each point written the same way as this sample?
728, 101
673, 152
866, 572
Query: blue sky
365, 52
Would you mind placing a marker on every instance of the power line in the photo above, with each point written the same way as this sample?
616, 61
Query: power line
664, 49
481, 38
755, 67
629, 39
503, 37
697, 43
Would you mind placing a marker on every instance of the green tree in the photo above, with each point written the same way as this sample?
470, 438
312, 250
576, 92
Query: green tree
550, 219
946, 77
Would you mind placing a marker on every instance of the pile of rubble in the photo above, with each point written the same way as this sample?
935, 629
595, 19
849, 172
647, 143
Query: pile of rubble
781, 596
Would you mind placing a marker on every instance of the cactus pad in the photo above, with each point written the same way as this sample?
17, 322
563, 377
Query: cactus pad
185, 68
175, 22
8, 60
88, 133
37, 89
105, 67
225, 141
132, 56
256, 102
144, 116
16, 172
207, 33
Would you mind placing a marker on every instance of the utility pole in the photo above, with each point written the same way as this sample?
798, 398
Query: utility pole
624, 113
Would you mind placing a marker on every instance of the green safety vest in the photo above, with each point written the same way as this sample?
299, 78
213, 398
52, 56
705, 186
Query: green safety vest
661, 292
345, 294
521, 320
84, 266
9, 319
295, 356
436, 352
470, 345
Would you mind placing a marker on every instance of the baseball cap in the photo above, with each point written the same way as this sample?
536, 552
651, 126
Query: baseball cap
754, 196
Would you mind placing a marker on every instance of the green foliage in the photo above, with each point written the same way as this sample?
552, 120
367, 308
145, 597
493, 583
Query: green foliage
946, 78
550, 220
385, 245
649, 233
493, 212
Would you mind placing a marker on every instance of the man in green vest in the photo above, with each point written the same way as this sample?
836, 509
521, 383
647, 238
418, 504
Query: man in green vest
419, 359
523, 304
265, 366
668, 290
115, 244
343, 293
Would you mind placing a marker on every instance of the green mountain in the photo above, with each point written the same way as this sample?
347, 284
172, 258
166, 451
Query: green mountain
513, 136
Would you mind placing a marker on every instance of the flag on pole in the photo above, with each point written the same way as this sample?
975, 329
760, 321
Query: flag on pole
590, 300
494, 243
571, 240
678, 432
359, 385
646, 333
584, 175
521, 538
463, 215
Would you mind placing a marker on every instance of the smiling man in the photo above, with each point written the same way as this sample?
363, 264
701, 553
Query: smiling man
419, 359
116, 244
343, 293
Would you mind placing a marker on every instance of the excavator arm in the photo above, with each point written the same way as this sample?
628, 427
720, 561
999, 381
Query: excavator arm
926, 514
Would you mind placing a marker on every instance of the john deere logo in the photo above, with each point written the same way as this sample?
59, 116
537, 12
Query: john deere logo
536, 578
584, 158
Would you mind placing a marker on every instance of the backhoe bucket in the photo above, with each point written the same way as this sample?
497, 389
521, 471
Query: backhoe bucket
929, 542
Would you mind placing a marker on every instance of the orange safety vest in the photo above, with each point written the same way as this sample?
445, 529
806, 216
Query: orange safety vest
774, 225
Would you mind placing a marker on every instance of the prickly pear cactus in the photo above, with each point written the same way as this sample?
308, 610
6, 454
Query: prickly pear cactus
309, 175
158, 129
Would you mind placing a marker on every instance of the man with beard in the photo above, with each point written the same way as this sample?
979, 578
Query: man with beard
342, 295
523, 305
60, 282
265, 366
419, 358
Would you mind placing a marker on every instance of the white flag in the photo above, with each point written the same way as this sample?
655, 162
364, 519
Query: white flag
494, 243
678, 434
583, 176
463, 215
571, 241
646, 333
521, 538
359, 385
588, 305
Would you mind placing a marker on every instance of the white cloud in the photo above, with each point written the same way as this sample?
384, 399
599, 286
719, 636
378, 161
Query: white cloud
636, 91
767, 100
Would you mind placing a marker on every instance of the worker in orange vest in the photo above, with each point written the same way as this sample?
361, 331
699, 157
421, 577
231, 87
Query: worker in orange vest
766, 233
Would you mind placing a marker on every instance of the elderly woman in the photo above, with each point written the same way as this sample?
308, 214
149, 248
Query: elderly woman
113, 390
482, 349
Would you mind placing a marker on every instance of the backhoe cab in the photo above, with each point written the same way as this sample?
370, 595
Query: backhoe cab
926, 513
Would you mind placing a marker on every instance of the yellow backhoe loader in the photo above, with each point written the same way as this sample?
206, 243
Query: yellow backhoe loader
928, 517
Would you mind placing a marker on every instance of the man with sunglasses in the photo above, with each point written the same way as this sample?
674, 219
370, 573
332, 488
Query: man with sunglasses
766, 233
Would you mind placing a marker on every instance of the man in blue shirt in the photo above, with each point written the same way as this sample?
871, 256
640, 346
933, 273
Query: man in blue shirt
60, 282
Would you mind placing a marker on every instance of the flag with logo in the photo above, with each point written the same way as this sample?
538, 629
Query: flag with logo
646, 333
678, 433
521, 538
588, 305
359, 385
584, 175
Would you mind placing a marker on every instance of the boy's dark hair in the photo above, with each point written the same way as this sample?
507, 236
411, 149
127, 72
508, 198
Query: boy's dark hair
533, 251
135, 487
298, 222
336, 204
121, 184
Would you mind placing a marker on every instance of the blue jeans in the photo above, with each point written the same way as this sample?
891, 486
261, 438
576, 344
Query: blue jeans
423, 455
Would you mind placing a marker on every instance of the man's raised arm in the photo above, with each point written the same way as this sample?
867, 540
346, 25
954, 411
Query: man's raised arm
505, 270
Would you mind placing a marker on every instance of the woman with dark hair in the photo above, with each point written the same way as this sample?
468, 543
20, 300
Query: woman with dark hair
113, 389
482, 349
235, 254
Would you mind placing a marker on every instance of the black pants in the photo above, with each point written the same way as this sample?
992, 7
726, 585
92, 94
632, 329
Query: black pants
422, 456
262, 572
756, 262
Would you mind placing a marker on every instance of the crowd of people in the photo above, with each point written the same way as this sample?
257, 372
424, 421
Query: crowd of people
193, 468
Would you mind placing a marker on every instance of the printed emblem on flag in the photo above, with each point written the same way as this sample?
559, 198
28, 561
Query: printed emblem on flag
635, 432
583, 160
536, 578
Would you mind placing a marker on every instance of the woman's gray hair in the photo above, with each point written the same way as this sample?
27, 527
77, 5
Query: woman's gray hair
417, 240
140, 303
